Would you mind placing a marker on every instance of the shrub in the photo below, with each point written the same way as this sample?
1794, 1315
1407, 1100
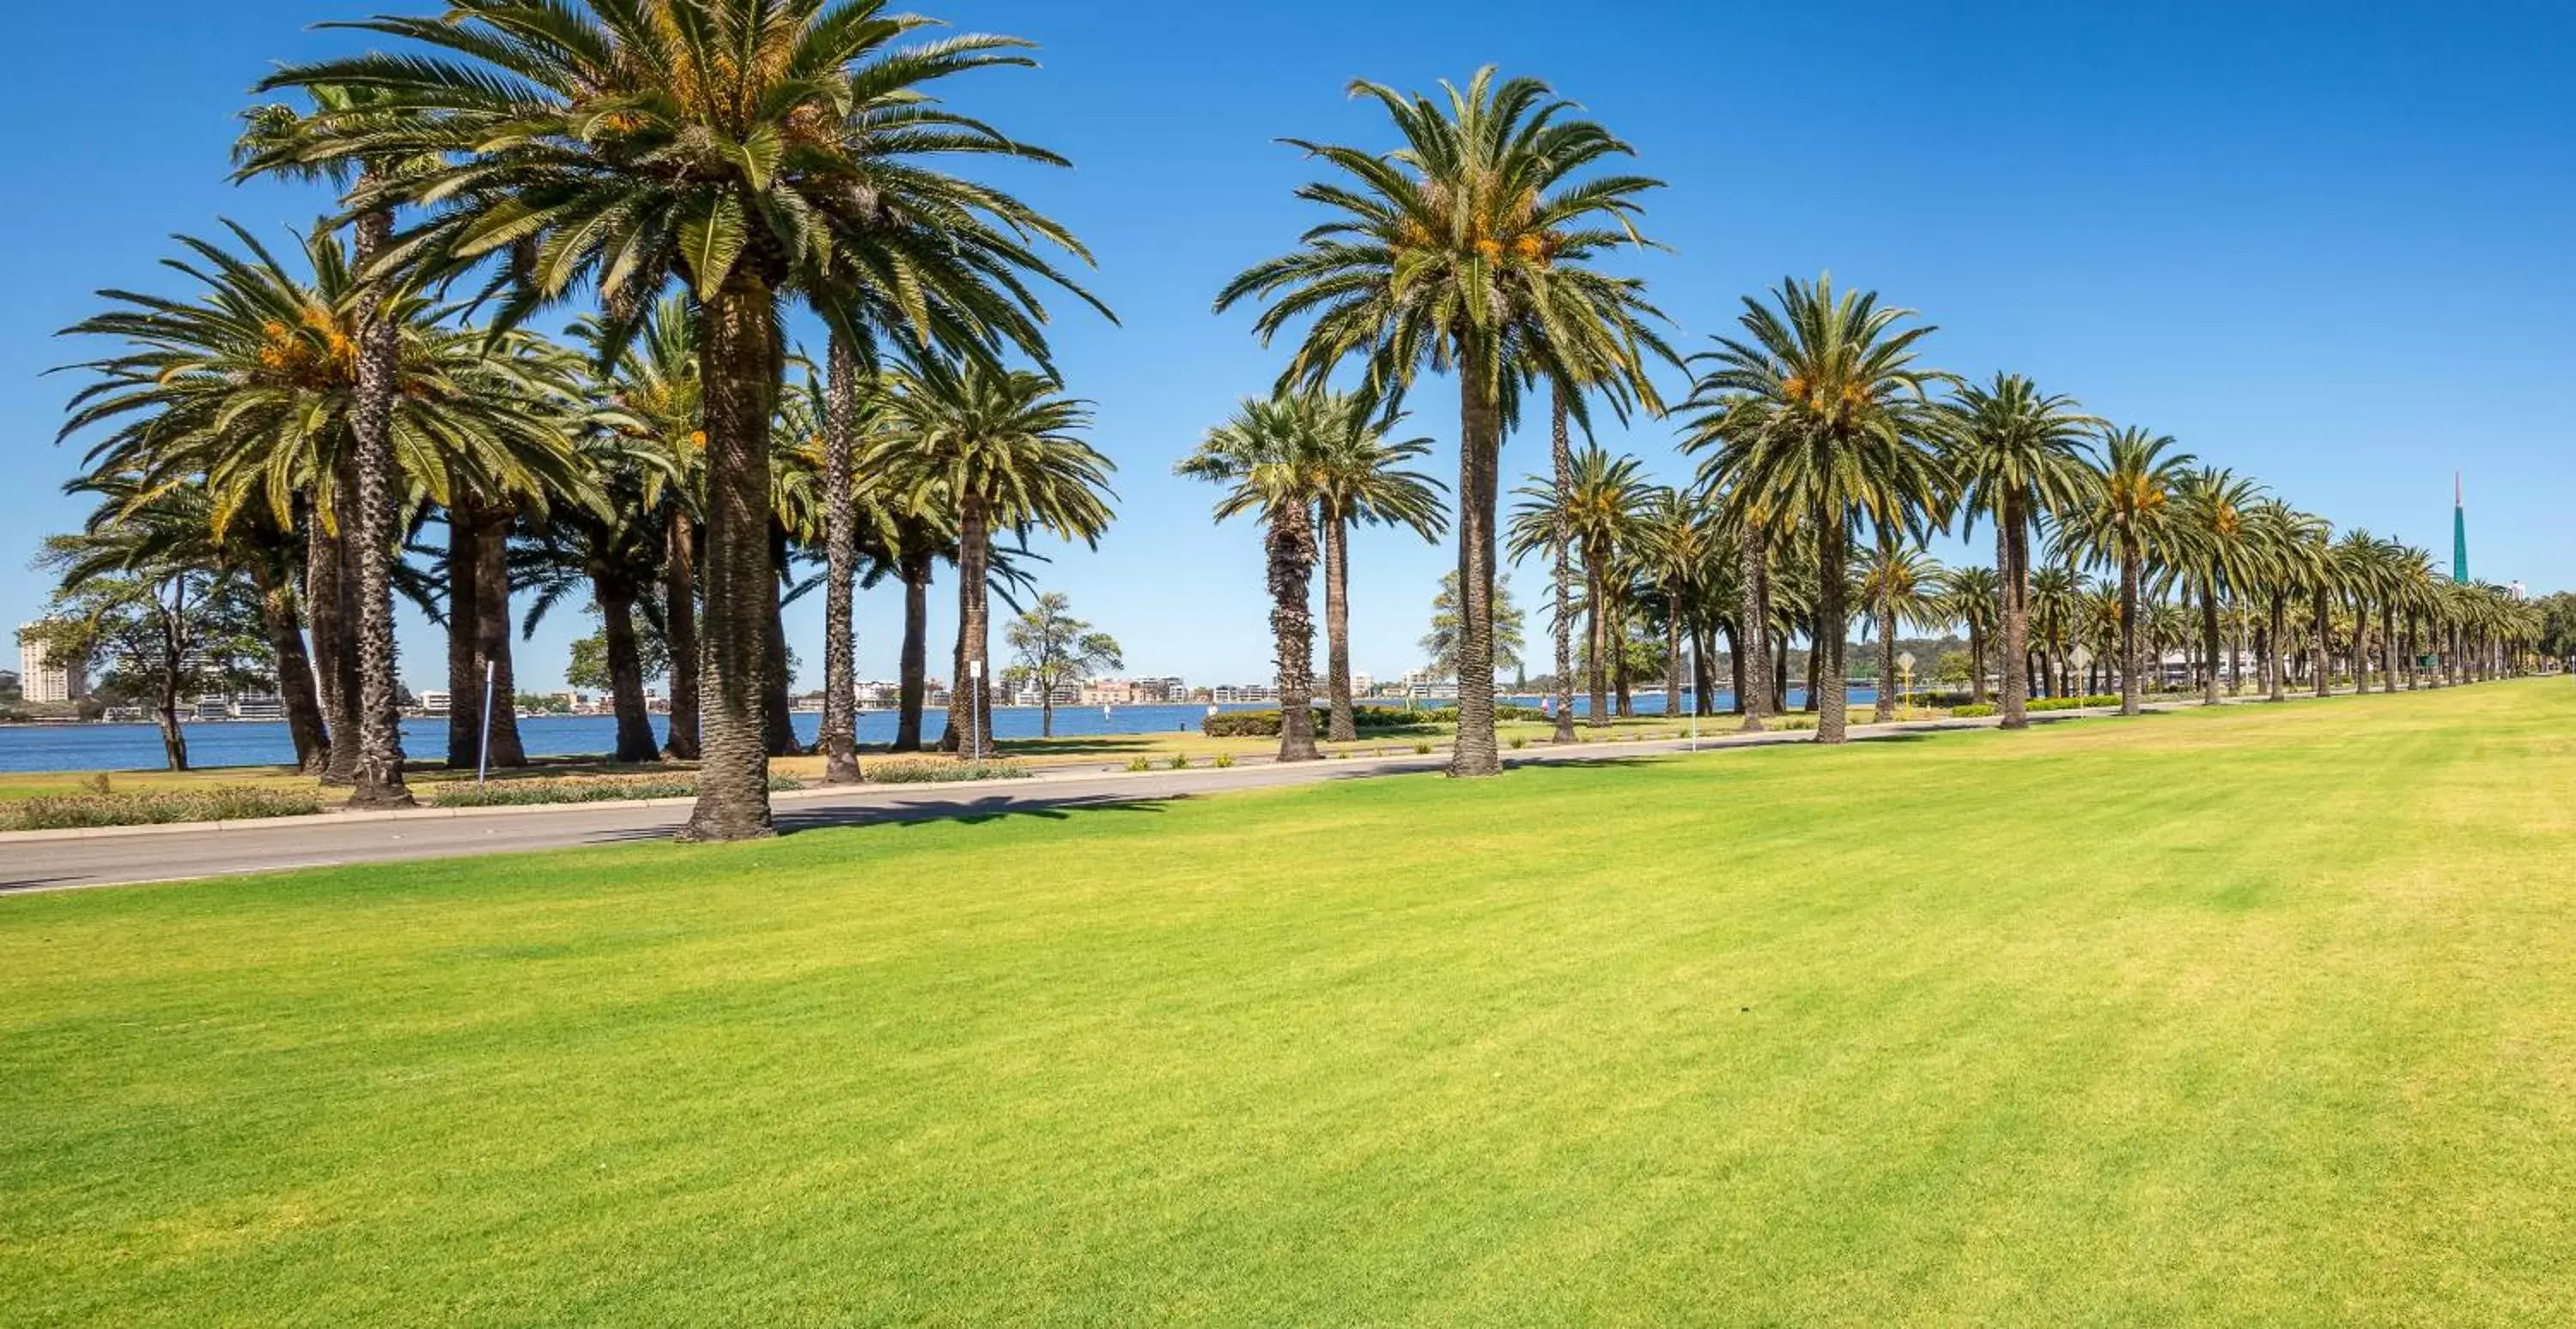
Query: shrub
1420, 749
1140, 762
1519, 743
1180, 761
533, 793
1223, 760
940, 770
55, 812
1972, 711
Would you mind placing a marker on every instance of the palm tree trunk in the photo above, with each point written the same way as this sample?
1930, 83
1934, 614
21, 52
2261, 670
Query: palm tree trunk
2279, 623
915, 665
2389, 645
371, 424
294, 669
1976, 664
1289, 534
1736, 638
680, 624
1673, 653
1596, 648
326, 599
777, 709
2130, 665
492, 614
970, 708
2014, 612
1622, 684
2209, 641
1753, 640
739, 361
1832, 622
2360, 647
1561, 459
2323, 651
616, 598
464, 632
1480, 443
840, 737
1883, 708
1344, 727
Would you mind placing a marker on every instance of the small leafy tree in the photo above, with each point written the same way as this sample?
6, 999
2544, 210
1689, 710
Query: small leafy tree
1441, 643
589, 668
1052, 649
162, 630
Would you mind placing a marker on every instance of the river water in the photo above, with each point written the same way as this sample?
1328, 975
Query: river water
124, 747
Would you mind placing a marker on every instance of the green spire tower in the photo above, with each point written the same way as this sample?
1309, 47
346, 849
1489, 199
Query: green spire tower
2459, 532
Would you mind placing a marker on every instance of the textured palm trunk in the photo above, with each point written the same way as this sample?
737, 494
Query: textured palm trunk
1736, 637
326, 599
1815, 659
2209, 642
1976, 664
1561, 461
914, 685
1343, 725
1480, 439
680, 624
379, 774
1596, 654
1832, 625
1753, 642
840, 737
2236, 655
777, 709
1289, 539
2014, 612
2360, 647
1883, 707
616, 598
2389, 646
2130, 664
2323, 651
1673, 653
464, 632
2274, 684
492, 615
739, 364
970, 707
1622, 685
295, 692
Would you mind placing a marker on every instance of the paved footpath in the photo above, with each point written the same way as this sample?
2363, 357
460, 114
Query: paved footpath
65, 860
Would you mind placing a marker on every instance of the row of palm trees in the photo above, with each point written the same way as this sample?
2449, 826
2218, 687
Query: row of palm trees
690, 169
686, 172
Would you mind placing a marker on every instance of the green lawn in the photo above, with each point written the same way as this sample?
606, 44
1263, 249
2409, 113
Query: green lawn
2262, 1016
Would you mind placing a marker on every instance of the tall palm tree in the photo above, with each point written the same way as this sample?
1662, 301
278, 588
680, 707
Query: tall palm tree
1823, 420
1902, 586
1598, 515
1675, 546
2217, 553
1467, 251
277, 140
612, 552
1270, 458
1002, 446
2361, 574
2017, 456
2125, 517
1973, 598
753, 149
2291, 556
649, 390
1361, 477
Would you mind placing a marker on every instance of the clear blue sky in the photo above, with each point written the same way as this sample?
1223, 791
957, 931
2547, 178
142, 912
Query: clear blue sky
2326, 244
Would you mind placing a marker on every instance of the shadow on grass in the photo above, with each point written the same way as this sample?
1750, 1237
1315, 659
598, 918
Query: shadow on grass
972, 811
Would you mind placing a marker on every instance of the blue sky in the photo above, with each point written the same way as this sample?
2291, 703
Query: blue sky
2328, 245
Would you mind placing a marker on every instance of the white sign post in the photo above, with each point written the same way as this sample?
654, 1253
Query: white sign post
1905, 677
978, 709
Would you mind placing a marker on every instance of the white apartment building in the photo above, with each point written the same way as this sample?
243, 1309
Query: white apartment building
41, 678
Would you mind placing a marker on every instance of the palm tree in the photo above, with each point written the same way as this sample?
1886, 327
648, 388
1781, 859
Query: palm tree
2361, 574
1598, 515
1360, 477
2291, 554
1901, 584
2217, 554
612, 552
1823, 421
1270, 458
1973, 597
753, 149
1675, 545
1466, 251
2017, 456
2125, 517
1001, 446
649, 389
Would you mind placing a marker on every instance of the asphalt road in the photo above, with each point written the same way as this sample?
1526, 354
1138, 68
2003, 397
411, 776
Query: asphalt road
40, 861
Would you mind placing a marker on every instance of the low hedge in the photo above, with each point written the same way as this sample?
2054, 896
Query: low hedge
540, 793
939, 770
2075, 703
59, 812
1369, 719
1973, 711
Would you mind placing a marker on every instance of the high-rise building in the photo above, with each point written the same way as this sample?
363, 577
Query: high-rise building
41, 678
2459, 531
